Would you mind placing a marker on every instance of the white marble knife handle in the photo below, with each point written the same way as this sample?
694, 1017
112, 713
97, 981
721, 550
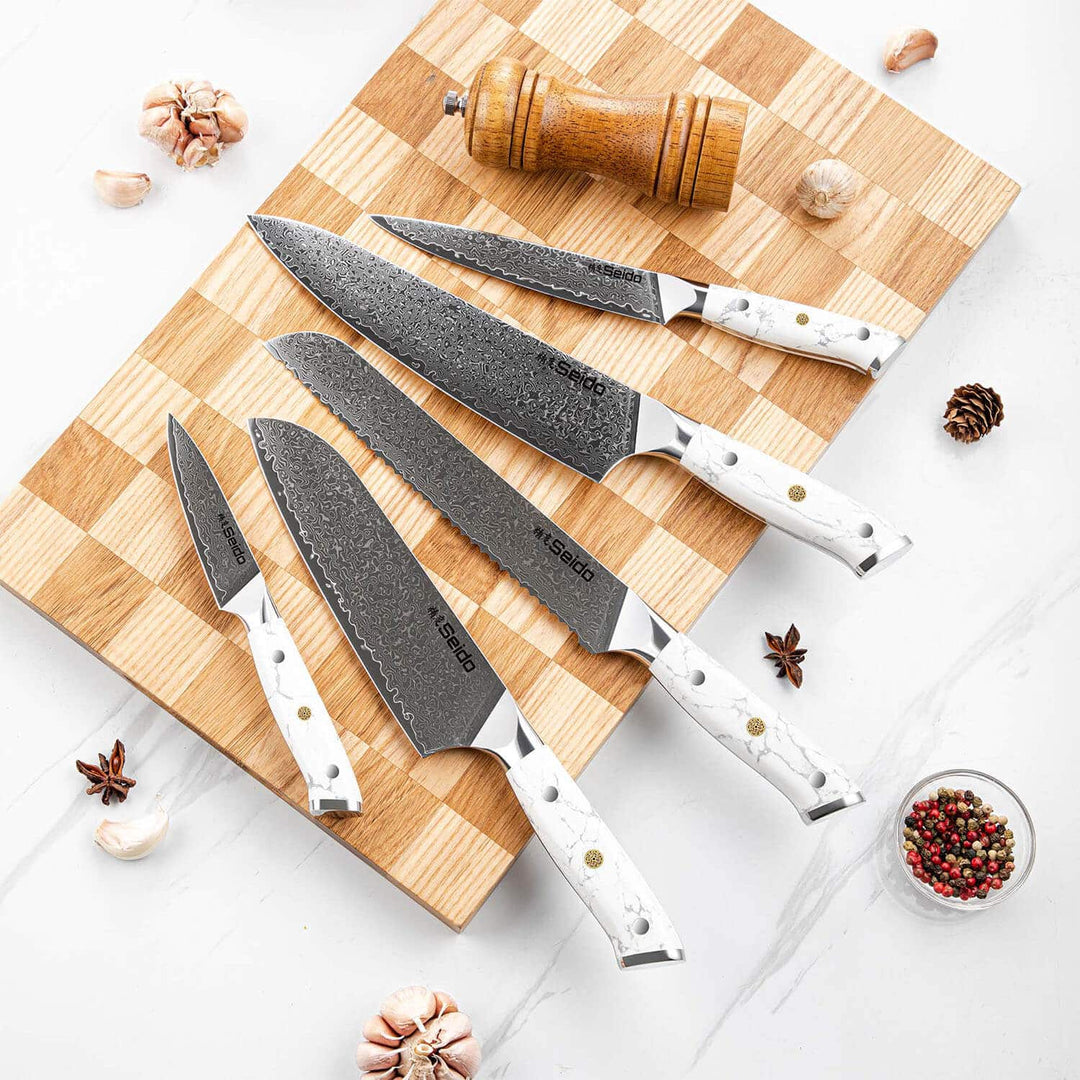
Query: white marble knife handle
796, 328
783, 496
593, 861
303, 719
753, 731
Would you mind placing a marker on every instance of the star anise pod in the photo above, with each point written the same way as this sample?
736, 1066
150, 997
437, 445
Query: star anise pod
108, 778
786, 654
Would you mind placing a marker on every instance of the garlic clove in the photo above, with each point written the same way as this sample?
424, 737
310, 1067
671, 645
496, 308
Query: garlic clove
827, 188
383, 1074
443, 1071
200, 97
448, 1028
462, 1055
908, 46
164, 94
232, 118
133, 839
370, 1057
121, 188
197, 153
444, 1003
377, 1030
408, 1009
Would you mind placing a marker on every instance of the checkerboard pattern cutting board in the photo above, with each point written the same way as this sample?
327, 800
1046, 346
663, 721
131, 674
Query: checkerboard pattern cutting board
119, 572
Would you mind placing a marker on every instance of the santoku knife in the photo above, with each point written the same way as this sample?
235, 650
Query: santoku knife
605, 614
561, 406
436, 681
655, 297
239, 588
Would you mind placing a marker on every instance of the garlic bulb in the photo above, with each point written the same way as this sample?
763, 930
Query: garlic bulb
133, 839
419, 1034
121, 188
827, 188
191, 121
908, 46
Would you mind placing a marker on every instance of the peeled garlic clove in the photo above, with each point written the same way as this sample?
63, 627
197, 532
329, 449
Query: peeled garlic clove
377, 1030
908, 46
370, 1057
462, 1055
121, 188
408, 1009
231, 118
133, 839
827, 188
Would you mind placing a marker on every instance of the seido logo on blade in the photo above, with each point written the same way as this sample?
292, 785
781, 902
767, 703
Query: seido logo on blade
228, 530
557, 547
615, 273
579, 377
448, 632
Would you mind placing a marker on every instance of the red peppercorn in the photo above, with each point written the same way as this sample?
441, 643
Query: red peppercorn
935, 859
989, 828
996, 883
950, 809
954, 838
976, 863
934, 812
926, 834
965, 894
972, 834
954, 872
938, 887
935, 849
992, 867
913, 857
947, 891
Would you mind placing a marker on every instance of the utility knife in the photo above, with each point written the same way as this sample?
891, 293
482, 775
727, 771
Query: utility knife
606, 615
239, 588
654, 297
559, 405
436, 681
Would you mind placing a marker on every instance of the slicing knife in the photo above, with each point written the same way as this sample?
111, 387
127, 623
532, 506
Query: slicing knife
239, 588
557, 404
655, 297
606, 615
437, 682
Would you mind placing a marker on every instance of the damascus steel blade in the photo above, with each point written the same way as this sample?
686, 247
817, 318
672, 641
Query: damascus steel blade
568, 275
476, 500
422, 661
225, 555
561, 406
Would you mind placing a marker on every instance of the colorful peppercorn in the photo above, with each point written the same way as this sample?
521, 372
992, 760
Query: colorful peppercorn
957, 845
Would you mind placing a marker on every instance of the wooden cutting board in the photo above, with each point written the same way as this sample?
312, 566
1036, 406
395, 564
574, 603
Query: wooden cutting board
119, 572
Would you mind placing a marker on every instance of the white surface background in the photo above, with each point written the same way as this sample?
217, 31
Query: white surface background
251, 945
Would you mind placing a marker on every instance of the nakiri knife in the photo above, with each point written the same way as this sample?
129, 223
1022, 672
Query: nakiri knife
655, 297
564, 408
239, 588
436, 681
606, 615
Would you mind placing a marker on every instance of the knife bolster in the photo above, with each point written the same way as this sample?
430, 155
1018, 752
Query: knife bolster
676, 147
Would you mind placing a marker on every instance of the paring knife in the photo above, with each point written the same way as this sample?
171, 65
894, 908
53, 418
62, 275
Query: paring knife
559, 405
605, 614
436, 681
655, 297
239, 588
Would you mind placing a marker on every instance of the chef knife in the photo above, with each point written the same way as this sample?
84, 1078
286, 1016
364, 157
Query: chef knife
239, 588
436, 681
655, 297
605, 614
564, 408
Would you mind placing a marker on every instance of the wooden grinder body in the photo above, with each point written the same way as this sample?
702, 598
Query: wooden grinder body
677, 147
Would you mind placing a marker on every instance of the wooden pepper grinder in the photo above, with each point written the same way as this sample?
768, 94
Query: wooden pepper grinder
676, 147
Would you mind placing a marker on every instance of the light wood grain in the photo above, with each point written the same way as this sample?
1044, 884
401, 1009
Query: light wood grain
94, 539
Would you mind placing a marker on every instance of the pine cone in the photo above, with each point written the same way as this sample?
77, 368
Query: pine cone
972, 411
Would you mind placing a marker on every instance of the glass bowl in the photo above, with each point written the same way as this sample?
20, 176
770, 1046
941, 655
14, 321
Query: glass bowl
1004, 801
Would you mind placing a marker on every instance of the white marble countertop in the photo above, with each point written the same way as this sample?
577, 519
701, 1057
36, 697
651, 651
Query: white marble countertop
252, 945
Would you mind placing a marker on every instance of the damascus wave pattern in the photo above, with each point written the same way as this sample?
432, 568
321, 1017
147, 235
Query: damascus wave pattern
561, 406
567, 275
473, 497
222, 549
423, 662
